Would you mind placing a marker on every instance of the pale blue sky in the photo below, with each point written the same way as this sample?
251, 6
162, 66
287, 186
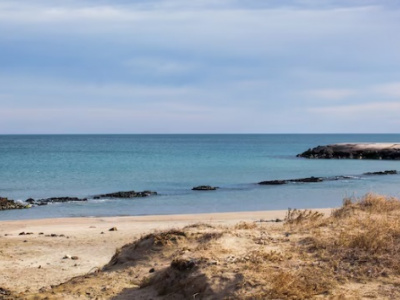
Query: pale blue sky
114, 66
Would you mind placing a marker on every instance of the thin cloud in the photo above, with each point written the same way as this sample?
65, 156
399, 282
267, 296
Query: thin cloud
389, 89
330, 94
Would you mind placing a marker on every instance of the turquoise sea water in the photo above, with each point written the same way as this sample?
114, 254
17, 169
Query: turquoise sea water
41, 166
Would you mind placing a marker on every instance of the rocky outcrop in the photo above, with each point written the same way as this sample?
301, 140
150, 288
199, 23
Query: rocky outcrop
388, 151
54, 200
6, 204
204, 188
126, 195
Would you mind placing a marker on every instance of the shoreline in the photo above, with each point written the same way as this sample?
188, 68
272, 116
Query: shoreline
34, 261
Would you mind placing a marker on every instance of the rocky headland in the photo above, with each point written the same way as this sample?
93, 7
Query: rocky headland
389, 151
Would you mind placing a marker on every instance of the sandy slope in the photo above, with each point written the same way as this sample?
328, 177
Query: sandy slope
30, 262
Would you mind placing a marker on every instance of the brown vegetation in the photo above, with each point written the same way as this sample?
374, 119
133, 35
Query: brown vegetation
352, 254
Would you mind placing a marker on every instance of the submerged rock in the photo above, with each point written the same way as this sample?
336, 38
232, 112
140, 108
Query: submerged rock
126, 195
273, 182
306, 180
204, 188
387, 172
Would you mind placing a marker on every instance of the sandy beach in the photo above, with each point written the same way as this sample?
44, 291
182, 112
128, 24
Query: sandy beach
35, 259
337, 253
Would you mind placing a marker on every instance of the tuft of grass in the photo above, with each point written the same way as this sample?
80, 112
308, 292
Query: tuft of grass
295, 216
370, 203
245, 226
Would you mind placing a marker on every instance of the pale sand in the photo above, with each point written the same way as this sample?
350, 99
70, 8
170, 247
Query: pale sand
29, 262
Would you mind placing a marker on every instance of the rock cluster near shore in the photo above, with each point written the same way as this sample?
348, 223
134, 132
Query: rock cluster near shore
54, 200
6, 204
355, 151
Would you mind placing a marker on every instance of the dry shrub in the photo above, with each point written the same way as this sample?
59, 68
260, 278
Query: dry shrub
245, 226
363, 239
379, 204
199, 225
345, 211
261, 256
375, 235
209, 236
303, 217
371, 203
300, 284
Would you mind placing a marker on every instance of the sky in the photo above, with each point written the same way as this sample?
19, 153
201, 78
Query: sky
222, 66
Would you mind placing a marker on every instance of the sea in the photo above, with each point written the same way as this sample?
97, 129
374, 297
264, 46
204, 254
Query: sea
43, 166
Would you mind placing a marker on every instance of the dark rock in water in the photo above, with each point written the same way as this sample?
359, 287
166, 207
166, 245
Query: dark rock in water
308, 179
6, 204
273, 182
54, 200
30, 201
126, 195
387, 172
204, 188
305, 180
355, 151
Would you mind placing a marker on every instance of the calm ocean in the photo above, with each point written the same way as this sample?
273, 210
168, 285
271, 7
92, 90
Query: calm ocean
41, 166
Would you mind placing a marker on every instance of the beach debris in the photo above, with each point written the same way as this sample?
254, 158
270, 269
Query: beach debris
204, 188
126, 195
74, 257
67, 256
152, 270
113, 229
22, 233
102, 232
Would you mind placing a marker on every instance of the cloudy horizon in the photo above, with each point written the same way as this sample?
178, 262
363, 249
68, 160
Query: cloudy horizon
199, 67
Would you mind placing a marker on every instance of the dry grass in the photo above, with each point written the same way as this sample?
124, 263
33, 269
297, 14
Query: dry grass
352, 254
